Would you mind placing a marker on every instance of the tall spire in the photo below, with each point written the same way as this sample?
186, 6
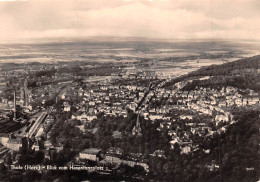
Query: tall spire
137, 128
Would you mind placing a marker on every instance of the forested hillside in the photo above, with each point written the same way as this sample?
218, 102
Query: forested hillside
233, 156
237, 149
243, 73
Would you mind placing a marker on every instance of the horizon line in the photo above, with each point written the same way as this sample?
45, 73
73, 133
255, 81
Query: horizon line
121, 37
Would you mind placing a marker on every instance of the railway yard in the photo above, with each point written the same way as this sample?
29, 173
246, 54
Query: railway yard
12, 131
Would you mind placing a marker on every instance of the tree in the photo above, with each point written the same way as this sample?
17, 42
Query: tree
159, 166
32, 176
3, 168
8, 159
49, 102
168, 167
38, 157
60, 160
26, 159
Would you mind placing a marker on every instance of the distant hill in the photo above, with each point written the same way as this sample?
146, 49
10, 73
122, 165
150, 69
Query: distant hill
228, 68
243, 73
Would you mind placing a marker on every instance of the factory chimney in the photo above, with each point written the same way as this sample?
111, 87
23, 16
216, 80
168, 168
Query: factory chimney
26, 95
14, 105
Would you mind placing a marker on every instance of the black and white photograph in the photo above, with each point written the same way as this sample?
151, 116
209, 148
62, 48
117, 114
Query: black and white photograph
130, 90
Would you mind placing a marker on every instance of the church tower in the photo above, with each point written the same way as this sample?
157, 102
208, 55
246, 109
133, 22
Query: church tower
137, 128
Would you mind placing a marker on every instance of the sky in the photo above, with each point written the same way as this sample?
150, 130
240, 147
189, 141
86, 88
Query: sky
167, 19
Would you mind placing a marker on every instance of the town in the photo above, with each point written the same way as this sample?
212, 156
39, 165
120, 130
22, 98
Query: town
38, 108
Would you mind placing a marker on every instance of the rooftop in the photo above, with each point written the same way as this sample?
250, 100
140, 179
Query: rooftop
93, 151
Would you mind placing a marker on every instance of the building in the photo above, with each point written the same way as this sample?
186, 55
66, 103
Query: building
14, 144
4, 137
115, 151
137, 128
158, 153
92, 154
